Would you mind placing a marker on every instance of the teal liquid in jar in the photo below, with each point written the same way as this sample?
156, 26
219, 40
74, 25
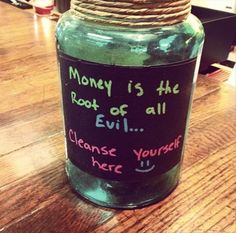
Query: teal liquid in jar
127, 80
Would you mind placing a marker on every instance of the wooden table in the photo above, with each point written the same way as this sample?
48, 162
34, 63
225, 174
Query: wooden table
34, 192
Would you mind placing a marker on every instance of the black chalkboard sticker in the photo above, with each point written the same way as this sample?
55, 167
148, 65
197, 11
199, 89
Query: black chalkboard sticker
125, 123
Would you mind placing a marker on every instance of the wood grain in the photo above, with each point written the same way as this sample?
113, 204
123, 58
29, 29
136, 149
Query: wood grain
31, 159
35, 196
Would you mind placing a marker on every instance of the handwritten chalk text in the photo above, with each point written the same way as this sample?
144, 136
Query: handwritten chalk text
101, 150
102, 123
82, 102
118, 124
116, 168
165, 88
160, 109
99, 84
141, 153
121, 110
136, 88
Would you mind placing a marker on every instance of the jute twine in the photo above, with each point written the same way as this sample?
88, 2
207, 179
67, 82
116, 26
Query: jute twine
132, 13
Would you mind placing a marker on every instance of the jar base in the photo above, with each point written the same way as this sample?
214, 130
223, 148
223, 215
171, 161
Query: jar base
122, 194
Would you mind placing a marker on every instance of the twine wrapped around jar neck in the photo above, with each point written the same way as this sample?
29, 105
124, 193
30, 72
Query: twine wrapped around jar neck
132, 13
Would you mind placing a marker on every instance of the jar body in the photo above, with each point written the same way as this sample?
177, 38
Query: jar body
128, 47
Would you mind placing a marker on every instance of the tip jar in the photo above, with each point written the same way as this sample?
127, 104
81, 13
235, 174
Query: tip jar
127, 76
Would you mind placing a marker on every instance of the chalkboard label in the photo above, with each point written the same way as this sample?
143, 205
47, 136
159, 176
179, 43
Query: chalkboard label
125, 123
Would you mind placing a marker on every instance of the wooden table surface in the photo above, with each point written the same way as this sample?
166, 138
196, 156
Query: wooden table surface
34, 192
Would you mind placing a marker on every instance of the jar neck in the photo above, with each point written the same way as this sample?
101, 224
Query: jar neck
132, 13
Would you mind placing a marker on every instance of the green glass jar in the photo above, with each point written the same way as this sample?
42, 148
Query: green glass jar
103, 96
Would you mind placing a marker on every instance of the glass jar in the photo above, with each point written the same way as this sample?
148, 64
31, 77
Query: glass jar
118, 47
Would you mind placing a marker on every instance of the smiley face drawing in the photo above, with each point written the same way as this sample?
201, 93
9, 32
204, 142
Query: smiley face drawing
145, 166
